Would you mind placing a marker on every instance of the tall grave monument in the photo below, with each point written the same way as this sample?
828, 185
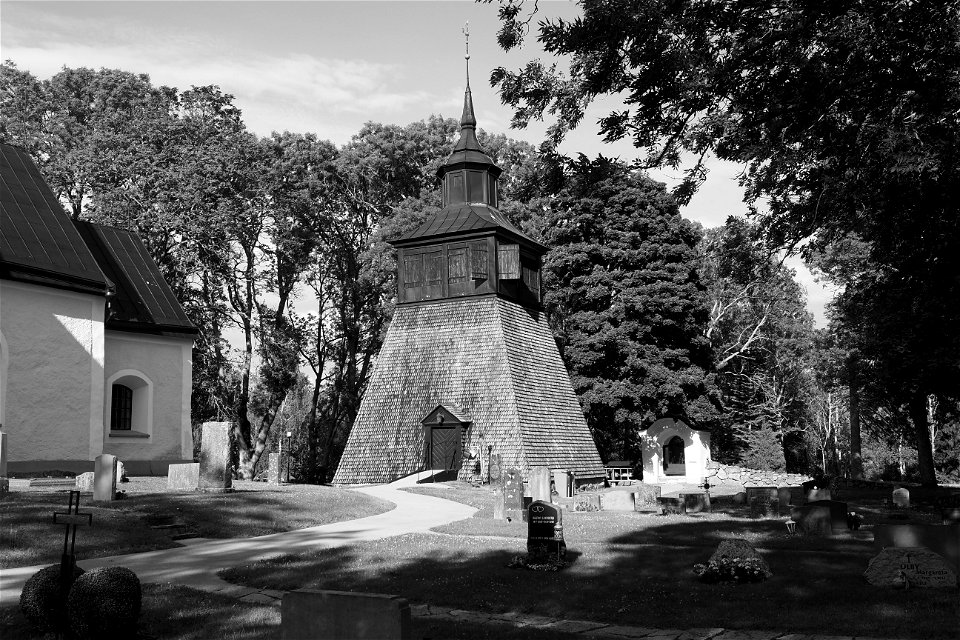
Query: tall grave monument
468, 367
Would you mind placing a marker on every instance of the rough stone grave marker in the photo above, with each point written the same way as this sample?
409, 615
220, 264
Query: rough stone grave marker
84, 481
183, 477
901, 498
273, 468
215, 468
540, 483
105, 478
910, 567
545, 531
495, 467
509, 504
672, 506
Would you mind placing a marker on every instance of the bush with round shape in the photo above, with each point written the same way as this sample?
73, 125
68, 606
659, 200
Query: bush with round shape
42, 602
105, 603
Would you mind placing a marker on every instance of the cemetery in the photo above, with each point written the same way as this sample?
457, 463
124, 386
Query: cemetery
435, 382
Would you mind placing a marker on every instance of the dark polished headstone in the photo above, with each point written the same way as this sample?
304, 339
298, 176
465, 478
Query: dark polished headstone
545, 531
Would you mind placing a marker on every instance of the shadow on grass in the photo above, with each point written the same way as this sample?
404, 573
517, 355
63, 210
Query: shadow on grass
629, 580
172, 612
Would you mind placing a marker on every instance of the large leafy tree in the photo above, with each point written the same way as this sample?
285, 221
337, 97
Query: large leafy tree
761, 334
626, 304
843, 113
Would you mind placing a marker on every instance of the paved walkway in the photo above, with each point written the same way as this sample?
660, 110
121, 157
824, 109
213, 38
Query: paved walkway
198, 561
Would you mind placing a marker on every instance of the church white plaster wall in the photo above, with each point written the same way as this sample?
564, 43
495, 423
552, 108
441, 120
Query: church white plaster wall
51, 336
4, 365
696, 451
159, 360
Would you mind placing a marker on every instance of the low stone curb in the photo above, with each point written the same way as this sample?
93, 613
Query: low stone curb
586, 628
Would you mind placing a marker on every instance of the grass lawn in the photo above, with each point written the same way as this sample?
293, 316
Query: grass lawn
29, 537
627, 569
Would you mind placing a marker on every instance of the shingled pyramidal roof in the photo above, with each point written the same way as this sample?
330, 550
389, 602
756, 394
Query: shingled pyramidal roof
468, 337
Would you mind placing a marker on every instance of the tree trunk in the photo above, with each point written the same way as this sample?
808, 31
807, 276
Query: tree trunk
856, 454
921, 435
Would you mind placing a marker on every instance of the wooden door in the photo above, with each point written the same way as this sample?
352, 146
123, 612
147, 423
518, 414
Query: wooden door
444, 448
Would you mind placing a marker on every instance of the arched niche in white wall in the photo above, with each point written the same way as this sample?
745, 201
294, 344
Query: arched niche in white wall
664, 437
128, 406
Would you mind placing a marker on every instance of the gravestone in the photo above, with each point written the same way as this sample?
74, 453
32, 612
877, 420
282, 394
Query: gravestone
84, 481
512, 497
71, 520
646, 496
563, 483
618, 501
183, 477
901, 498
121, 471
545, 531
105, 478
785, 496
540, 483
944, 540
495, 467
215, 468
672, 506
344, 615
764, 502
818, 494
910, 567
273, 468
695, 502
824, 517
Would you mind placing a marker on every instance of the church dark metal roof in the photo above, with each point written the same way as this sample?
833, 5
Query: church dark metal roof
142, 300
41, 245
38, 243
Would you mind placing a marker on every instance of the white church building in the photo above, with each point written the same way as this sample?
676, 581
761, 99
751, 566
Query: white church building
95, 349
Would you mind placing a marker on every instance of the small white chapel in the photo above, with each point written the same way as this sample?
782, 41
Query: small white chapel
95, 349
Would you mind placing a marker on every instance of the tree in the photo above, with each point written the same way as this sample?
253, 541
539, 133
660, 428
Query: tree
760, 333
625, 303
843, 114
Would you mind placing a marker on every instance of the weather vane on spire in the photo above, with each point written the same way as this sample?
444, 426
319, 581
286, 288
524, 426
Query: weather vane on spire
466, 33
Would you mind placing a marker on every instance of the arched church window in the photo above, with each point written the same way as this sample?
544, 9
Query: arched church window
121, 408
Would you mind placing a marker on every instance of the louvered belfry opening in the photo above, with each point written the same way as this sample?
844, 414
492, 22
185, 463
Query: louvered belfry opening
469, 337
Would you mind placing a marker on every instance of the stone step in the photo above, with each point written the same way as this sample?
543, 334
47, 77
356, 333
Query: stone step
53, 482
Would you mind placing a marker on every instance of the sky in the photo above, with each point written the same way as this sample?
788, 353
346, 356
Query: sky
327, 68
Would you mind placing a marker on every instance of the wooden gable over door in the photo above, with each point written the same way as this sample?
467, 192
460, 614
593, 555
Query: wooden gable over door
443, 430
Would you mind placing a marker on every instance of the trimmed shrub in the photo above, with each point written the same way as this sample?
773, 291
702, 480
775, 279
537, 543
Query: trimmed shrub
42, 601
105, 603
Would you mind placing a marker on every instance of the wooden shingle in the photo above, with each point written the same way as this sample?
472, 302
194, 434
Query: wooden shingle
489, 356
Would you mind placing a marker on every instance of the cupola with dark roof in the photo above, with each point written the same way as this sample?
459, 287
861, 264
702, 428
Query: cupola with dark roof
469, 247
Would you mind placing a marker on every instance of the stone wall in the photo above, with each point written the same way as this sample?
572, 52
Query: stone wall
723, 474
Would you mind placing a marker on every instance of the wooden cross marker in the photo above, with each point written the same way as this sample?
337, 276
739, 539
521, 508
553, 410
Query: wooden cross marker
71, 519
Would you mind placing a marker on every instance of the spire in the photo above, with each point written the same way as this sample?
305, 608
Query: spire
468, 119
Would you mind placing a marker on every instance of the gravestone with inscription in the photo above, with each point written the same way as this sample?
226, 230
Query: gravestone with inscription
105, 478
910, 567
215, 469
509, 505
823, 517
84, 481
545, 531
696, 502
540, 483
183, 477
764, 502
